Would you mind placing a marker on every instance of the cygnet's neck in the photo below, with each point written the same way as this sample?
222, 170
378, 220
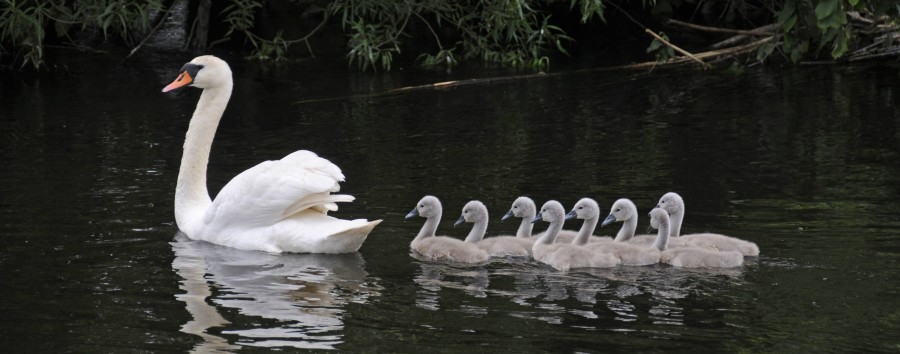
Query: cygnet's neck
626, 233
662, 236
587, 229
549, 236
430, 227
191, 196
478, 230
675, 223
526, 227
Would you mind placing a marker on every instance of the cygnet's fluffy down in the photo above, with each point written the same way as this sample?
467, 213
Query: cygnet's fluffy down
565, 256
441, 248
690, 257
498, 246
673, 204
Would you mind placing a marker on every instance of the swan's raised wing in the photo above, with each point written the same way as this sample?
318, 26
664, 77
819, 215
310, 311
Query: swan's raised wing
274, 190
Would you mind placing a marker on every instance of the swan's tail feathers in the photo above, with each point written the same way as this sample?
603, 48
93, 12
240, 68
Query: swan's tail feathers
347, 241
320, 202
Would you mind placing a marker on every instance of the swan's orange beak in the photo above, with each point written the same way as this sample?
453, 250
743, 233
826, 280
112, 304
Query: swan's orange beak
182, 80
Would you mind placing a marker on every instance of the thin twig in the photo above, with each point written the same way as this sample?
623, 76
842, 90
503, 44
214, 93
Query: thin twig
152, 32
677, 49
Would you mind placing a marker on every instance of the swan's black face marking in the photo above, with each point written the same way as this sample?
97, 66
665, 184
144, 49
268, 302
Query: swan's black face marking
187, 77
192, 70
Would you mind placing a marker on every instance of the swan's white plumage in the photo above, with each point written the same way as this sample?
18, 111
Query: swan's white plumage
673, 204
687, 256
623, 210
441, 248
565, 256
275, 206
627, 253
497, 246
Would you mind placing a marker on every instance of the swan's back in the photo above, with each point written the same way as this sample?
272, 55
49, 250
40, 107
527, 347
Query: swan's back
629, 254
448, 249
565, 256
507, 246
690, 257
718, 242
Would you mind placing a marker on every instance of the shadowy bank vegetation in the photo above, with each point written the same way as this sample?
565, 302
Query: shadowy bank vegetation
375, 34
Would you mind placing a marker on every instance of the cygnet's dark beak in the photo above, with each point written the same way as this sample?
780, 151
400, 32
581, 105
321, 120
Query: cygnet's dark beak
412, 214
571, 215
459, 221
609, 220
508, 215
537, 218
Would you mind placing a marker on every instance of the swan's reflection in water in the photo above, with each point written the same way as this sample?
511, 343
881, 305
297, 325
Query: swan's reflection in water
616, 299
294, 300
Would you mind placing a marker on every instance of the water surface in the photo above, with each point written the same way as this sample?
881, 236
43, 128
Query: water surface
802, 161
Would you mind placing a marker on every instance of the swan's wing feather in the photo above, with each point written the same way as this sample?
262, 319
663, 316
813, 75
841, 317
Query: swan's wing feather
274, 190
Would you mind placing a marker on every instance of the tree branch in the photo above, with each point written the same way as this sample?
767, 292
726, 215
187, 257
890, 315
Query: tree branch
677, 49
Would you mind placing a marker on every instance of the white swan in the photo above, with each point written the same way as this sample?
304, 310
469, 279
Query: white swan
276, 206
628, 253
441, 248
588, 210
689, 257
673, 204
624, 211
564, 256
498, 246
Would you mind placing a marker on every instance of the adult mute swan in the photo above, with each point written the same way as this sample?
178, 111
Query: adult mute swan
624, 211
498, 246
524, 207
689, 257
628, 253
275, 206
441, 248
673, 204
564, 256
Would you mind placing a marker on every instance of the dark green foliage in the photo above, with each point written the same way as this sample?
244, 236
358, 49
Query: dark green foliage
23, 24
441, 33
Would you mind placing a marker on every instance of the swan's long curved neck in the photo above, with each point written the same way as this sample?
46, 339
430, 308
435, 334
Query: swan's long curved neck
191, 195
627, 231
549, 236
430, 227
477, 232
587, 229
662, 236
675, 224
526, 227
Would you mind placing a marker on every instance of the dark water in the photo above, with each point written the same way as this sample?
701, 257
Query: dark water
802, 161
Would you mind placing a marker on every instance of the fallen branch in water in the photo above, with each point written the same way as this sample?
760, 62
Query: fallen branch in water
491, 80
676, 48
761, 31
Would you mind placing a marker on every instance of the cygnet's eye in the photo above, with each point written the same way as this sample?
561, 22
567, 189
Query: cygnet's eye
581, 207
422, 206
515, 207
618, 209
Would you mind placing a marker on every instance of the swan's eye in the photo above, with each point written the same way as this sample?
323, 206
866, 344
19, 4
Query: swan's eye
422, 206
515, 207
581, 207
618, 210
